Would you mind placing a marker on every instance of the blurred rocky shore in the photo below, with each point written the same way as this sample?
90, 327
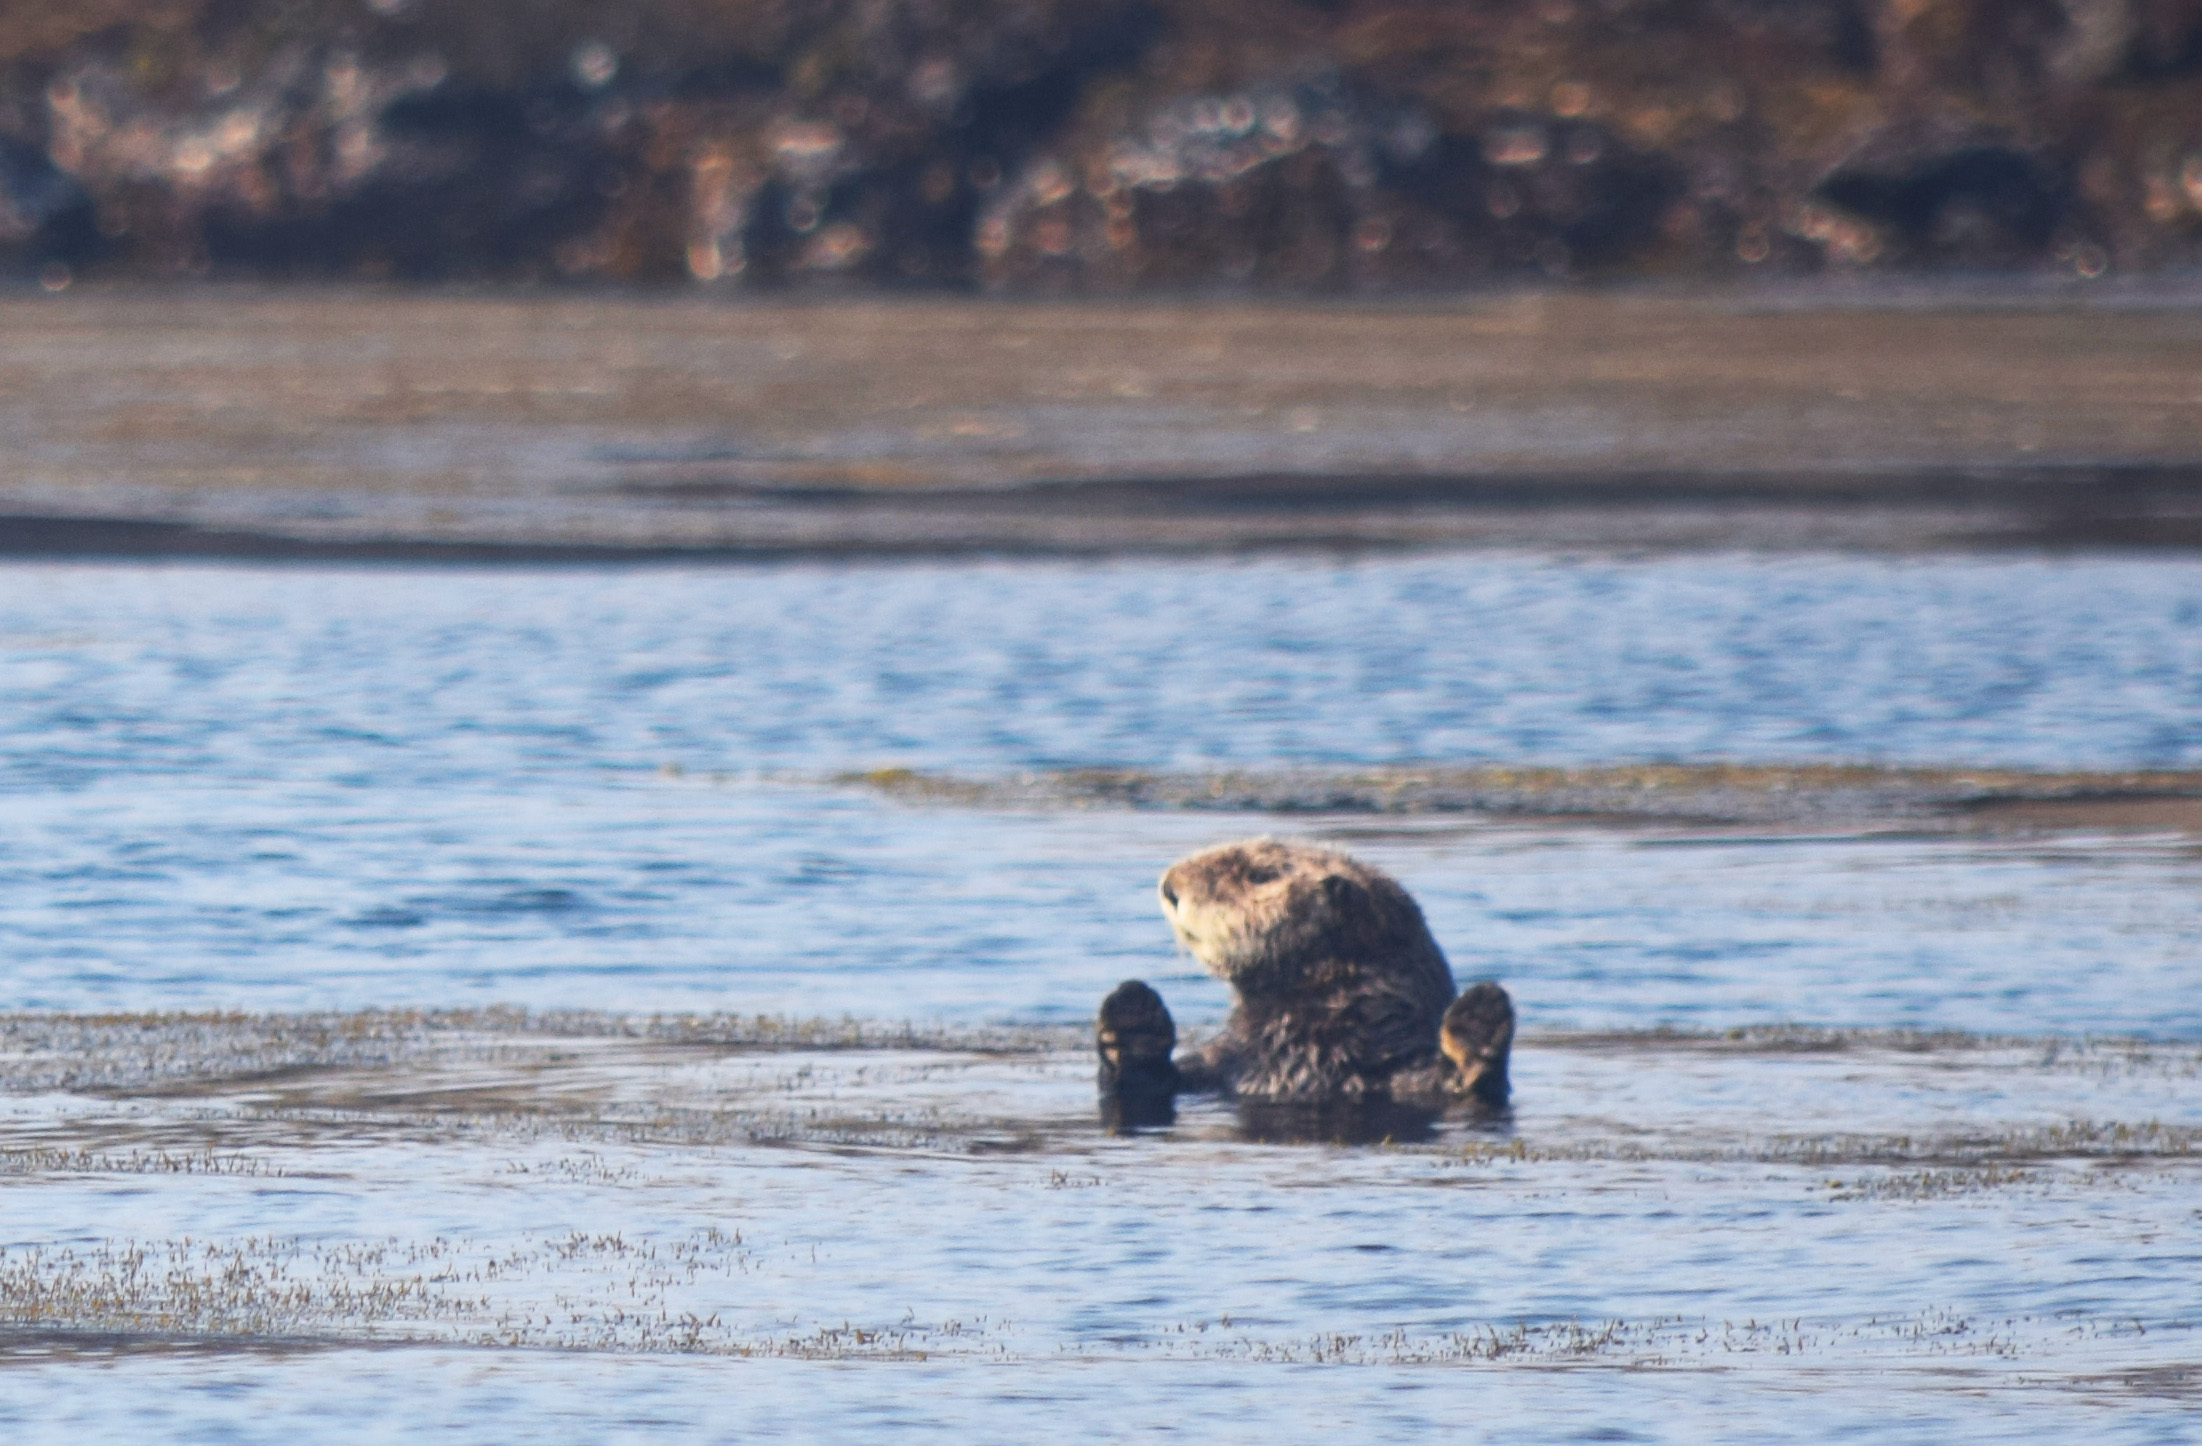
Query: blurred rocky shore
1096, 146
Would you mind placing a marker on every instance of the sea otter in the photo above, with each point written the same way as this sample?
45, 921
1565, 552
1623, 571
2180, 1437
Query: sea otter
1342, 993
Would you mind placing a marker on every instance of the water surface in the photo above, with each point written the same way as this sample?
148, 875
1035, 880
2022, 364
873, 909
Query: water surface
1959, 1196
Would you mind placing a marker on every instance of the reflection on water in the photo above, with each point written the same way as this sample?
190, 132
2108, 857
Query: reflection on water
1137, 1111
1382, 1122
1816, 1111
1270, 1122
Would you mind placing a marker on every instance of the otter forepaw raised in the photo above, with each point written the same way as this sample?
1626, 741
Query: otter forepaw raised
1134, 1035
1478, 1037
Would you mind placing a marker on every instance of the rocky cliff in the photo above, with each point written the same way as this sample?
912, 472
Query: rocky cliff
1096, 146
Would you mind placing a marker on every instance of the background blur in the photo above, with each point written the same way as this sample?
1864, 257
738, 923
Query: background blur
1095, 146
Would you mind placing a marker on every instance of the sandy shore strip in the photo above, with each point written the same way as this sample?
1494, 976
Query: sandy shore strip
516, 426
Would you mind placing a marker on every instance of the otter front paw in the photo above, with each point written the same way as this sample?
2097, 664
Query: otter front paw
1478, 1036
1134, 1035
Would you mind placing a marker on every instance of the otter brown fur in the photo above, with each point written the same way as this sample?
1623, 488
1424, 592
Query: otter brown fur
1342, 993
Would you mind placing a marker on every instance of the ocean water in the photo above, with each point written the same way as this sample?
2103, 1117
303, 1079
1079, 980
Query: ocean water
1818, 1135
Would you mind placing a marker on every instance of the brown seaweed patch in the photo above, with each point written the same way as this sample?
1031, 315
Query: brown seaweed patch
1676, 1340
203, 1100
1933, 1184
2040, 1051
1764, 1039
1992, 1156
2179, 1381
1714, 794
139, 1053
607, 1292
59, 1160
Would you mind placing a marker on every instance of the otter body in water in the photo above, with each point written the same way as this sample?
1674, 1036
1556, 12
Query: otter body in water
1342, 993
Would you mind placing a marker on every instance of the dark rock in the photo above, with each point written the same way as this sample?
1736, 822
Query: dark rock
45, 216
1980, 206
1099, 146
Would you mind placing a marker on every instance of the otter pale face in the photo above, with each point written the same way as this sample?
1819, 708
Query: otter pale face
1244, 910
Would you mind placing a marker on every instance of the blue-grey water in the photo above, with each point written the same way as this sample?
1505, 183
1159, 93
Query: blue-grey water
269, 789
295, 788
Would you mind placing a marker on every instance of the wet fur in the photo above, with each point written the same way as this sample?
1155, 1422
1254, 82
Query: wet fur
1342, 993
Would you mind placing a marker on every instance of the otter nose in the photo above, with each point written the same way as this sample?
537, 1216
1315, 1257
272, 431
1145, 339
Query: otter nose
1169, 896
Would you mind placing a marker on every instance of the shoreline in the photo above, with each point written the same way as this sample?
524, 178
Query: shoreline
2146, 509
320, 423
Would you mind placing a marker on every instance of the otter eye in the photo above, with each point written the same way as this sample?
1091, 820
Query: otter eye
1261, 876
1169, 896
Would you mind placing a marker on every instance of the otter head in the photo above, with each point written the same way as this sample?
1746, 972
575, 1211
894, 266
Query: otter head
1259, 912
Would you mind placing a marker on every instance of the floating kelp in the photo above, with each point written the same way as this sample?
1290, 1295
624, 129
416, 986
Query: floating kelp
1712, 794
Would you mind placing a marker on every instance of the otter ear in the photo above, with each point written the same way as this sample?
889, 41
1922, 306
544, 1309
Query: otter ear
1342, 893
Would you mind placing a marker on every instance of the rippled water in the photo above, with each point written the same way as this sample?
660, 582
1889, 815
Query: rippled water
296, 788
417, 679
283, 789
